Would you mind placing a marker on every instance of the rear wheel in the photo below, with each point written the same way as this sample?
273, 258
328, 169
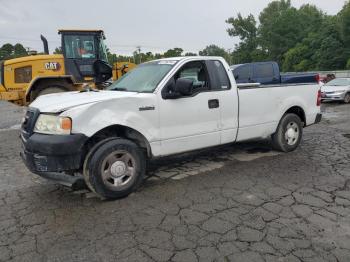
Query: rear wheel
347, 98
116, 168
289, 133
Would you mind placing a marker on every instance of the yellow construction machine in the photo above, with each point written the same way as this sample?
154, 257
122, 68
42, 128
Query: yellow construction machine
83, 61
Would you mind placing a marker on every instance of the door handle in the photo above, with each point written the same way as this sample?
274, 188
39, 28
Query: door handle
213, 103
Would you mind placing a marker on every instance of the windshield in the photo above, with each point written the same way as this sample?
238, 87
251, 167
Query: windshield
79, 46
339, 82
144, 78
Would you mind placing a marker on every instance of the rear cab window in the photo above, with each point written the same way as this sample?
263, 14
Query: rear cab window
243, 74
264, 71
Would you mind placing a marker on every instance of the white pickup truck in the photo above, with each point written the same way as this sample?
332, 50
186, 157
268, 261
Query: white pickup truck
161, 108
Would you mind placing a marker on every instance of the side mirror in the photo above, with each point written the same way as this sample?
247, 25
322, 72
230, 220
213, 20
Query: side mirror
236, 77
103, 71
184, 86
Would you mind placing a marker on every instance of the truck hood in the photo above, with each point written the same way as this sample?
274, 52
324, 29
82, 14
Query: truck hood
334, 88
60, 102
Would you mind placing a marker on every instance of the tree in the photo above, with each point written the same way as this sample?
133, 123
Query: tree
246, 30
6, 52
58, 50
173, 52
190, 54
19, 50
279, 29
214, 50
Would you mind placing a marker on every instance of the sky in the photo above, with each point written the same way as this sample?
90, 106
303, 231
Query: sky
155, 25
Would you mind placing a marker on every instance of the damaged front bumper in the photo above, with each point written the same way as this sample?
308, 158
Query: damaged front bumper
53, 156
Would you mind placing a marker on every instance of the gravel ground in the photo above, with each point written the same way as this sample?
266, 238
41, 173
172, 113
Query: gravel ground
234, 203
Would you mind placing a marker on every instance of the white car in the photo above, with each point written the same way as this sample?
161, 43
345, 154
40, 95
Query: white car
161, 108
336, 90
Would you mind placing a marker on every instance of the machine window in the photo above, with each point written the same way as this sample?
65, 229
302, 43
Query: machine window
23, 74
80, 46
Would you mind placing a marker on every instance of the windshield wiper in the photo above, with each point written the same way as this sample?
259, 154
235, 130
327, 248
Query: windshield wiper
119, 89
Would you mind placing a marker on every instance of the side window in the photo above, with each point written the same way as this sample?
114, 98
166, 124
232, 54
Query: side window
264, 71
219, 75
197, 72
23, 74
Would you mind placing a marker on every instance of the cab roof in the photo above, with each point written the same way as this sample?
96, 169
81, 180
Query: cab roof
80, 30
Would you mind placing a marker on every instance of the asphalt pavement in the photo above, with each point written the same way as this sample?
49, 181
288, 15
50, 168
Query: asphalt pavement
240, 202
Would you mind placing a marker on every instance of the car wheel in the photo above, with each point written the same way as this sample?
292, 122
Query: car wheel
116, 168
347, 98
87, 161
289, 133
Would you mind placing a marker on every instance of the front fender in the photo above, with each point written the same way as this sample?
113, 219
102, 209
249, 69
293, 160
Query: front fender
90, 119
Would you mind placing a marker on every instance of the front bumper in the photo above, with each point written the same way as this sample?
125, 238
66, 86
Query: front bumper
333, 96
53, 153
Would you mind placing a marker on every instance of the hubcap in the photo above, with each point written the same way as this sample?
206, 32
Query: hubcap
118, 169
292, 134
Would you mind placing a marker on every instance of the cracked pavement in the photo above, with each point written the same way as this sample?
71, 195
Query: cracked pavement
234, 203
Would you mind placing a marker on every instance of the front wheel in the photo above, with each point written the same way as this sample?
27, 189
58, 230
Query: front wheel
45, 90
289, 133
116, 168
347, 98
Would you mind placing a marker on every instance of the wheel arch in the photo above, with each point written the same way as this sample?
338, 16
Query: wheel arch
66, 81
299, 111
119, 131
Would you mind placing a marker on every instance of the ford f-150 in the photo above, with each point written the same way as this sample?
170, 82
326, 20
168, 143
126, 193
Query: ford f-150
161, 108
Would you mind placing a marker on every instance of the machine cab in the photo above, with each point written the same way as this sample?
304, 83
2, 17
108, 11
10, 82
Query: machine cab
85, 55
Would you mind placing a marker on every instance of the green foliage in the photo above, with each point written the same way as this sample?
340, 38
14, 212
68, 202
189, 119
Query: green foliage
298, 39
58, 50
173, 52
8, 51
190, 54
348, 64
246, 30
213, 50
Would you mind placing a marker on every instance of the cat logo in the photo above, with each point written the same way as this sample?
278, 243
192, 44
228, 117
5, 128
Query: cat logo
54, 66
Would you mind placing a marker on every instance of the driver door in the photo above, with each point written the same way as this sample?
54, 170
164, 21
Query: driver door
189, 122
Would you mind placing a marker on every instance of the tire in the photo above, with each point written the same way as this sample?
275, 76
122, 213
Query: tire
87, 161
47, 90
289, 133
347, 98
116, 168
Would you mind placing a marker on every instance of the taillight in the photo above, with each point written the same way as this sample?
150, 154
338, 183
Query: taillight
319, 98
317, 78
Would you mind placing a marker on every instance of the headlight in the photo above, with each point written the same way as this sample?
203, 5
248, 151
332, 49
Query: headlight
339, 91
55, 125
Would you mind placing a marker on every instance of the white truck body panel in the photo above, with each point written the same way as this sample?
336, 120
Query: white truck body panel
184, 124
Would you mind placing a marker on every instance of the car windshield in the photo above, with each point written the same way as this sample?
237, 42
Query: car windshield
339, 82
144, 78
